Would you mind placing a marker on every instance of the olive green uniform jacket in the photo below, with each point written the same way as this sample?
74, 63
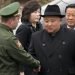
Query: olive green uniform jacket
12, 53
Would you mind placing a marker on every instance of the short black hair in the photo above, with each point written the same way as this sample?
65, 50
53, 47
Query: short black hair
70, 6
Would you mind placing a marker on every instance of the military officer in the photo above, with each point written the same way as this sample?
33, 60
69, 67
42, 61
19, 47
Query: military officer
70, 16
11, 51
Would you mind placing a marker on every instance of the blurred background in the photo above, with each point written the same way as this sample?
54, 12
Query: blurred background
6, 2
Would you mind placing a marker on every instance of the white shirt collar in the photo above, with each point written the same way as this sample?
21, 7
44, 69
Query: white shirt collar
70, 27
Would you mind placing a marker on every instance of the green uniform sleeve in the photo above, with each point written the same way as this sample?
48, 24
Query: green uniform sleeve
17, 52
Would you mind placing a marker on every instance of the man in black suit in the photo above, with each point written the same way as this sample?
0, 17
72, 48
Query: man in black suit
54, 46
70, 16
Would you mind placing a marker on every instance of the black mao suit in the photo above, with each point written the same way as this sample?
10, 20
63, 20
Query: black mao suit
56, 52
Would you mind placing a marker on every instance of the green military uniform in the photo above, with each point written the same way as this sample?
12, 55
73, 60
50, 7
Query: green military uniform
11, 51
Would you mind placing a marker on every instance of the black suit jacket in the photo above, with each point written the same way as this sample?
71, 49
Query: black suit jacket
56, 52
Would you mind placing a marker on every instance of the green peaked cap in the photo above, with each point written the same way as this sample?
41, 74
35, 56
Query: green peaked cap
10, 9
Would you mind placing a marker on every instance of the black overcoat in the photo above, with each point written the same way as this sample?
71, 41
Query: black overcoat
56, 52
25, 31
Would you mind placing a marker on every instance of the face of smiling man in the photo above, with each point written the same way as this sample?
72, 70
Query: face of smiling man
52, 24
70, 17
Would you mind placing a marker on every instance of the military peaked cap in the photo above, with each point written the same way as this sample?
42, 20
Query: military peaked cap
10, 9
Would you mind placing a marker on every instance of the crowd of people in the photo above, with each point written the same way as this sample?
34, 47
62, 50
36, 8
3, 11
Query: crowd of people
37, 48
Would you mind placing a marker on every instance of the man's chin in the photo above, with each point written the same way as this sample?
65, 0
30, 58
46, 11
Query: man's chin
50, 31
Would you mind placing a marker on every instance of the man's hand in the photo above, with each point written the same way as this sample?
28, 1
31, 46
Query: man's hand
37, 69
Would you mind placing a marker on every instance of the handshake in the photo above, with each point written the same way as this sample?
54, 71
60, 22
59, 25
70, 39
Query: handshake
37, 69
